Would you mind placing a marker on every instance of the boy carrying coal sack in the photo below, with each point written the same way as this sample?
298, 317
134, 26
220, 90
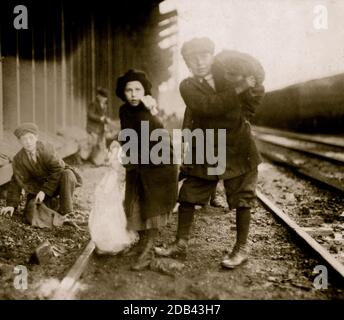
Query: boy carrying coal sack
221, 94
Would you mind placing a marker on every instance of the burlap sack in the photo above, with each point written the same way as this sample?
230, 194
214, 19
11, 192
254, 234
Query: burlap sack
39, 215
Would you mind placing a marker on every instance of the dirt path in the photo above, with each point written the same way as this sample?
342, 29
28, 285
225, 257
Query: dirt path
277, 269
18, 241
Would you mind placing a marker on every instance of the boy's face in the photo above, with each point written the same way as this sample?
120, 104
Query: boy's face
29, 141
102, 100
200, 63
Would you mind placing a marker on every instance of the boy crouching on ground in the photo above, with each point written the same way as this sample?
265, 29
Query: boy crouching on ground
42, 174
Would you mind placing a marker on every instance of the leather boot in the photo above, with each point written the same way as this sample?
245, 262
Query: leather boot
239, 254
177, 249
138, 247
147, 256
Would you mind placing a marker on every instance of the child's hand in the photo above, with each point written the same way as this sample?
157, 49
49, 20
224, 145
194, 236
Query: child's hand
40, 197
7, 211
114, 144
151, 104
122, 157
247, 83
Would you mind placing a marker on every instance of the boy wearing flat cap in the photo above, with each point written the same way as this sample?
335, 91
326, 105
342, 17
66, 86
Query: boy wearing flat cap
41, 173
212, 102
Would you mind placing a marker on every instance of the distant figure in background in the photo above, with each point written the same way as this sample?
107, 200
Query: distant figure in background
97, 118
43, 175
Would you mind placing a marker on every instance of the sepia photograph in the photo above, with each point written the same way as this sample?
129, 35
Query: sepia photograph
172, 150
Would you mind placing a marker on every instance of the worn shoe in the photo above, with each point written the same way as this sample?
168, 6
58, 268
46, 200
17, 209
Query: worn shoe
136, 249
143, 261
69, 219
235, 259
177, 249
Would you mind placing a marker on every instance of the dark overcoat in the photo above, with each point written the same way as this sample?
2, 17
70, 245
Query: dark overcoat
223, 109
44, 175
156, 184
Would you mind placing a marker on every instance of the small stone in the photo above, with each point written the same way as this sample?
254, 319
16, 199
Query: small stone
319, 231
333, 249
317, 200
272, 279
290, 197
315, 221
43, 253
305, 210
341, 216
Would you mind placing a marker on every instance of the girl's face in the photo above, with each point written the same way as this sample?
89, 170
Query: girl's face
134, 92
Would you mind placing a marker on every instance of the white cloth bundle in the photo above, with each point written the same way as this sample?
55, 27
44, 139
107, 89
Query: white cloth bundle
107, 220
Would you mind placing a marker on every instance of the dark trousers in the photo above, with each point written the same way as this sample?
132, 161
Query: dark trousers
240, 192
65, 191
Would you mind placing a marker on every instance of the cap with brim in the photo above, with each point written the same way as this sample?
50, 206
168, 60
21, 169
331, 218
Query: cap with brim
27, 127
197, 45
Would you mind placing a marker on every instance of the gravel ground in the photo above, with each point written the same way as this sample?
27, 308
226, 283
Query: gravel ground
277, 269
310, 205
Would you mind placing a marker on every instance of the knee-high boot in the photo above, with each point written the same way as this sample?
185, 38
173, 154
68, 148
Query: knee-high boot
239, 253
185, 219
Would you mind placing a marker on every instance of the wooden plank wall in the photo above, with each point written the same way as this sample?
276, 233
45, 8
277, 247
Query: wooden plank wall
49, 72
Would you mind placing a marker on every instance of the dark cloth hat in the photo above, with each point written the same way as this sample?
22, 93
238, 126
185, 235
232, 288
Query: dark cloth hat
132, 75
26, 127
102, 91
197, 45
239, 63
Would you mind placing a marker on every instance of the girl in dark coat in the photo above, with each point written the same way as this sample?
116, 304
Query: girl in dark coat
151, 189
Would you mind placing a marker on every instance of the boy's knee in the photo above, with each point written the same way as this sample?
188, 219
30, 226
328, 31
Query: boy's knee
68, 175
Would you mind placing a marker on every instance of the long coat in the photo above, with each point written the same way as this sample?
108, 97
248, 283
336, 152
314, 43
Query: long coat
223, 109
44, 175
156, 184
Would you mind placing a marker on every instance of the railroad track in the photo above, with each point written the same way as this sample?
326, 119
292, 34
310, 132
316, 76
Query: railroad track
302, 234
68, 287
311, 147
301, 150
332, 141
328, 148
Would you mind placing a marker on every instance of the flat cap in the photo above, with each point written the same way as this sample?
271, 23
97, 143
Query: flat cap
103, 92
197, 45
26, 127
